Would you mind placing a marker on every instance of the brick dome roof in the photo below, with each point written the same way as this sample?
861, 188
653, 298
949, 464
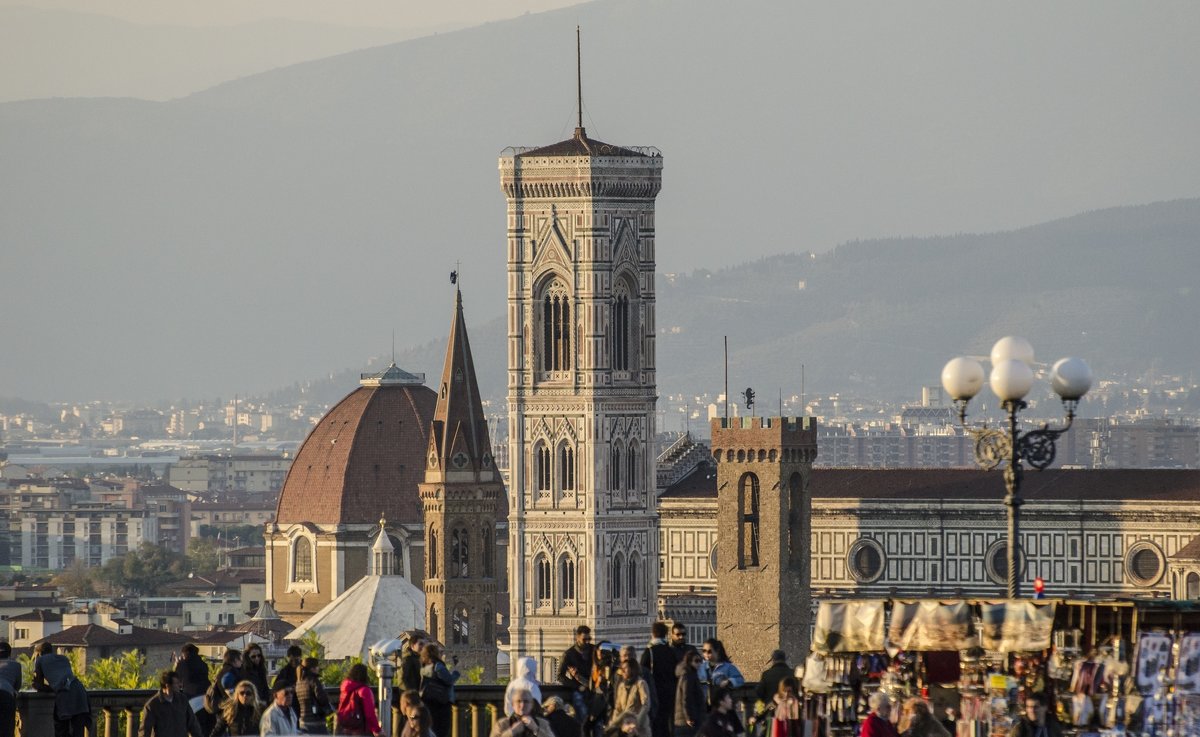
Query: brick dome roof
364, 459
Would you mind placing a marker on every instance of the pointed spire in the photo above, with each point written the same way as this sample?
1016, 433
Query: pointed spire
459, 439
579, 132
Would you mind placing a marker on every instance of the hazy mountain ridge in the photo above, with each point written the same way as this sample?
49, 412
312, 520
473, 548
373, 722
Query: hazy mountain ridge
282, 224
880, 318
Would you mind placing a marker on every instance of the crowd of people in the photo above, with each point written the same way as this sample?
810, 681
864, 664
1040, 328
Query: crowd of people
668, 689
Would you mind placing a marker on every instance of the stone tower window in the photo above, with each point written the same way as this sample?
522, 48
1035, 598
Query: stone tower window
433, 552
541, 568
485, 548
631, 472
461, 625
302, 561
433, 621
489, 633
619, 325
541, 459
460, 550
618, 563
566, 579
614, 482
748, 521
634, 577
566, 467
556, 329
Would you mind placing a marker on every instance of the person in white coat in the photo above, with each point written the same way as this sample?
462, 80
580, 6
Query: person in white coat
280, 717
525, 677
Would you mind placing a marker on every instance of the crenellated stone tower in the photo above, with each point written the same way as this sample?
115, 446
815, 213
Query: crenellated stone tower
763, 528
460, 495
581, 392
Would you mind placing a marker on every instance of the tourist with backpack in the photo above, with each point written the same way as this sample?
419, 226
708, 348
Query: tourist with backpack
356, 704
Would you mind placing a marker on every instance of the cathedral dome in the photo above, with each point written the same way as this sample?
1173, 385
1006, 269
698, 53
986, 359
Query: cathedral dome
364, 458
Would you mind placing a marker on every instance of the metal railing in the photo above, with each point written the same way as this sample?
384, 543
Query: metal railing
119, 713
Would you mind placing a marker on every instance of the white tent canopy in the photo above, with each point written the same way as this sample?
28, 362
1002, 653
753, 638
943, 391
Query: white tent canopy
376, 608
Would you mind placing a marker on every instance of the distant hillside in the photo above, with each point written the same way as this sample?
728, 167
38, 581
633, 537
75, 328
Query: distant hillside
880, 318
285, 224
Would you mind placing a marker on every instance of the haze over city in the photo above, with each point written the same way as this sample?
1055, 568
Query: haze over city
283, 225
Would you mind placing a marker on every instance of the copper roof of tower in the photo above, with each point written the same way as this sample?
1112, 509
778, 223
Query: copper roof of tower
459, 432
363, 459
580, 145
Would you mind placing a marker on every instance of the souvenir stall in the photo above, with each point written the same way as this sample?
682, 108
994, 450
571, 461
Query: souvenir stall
848, 662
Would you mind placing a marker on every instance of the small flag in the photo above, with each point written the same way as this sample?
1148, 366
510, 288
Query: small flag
454, 277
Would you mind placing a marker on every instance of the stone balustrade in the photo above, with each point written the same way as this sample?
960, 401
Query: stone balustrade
118, 713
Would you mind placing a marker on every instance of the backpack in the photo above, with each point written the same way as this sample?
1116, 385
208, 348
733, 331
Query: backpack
215, 696
350, 713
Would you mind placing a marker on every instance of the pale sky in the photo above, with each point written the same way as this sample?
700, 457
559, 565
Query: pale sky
363, 13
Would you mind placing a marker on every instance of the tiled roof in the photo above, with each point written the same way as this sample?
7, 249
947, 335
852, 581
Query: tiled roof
700, 483
950, 483
37, 615
93, 635
1191, 551
362, 460
581, 145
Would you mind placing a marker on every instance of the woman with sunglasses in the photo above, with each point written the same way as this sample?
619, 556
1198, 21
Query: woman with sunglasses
690, 709
254, 668
240, 714
716, 671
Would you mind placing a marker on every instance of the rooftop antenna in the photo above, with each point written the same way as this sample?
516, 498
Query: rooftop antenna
393, 346
579, 78
726, 380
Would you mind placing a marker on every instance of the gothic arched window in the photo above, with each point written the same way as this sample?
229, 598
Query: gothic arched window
433, 552
618, 563
631, 468
556, 329
460, 551
614, 470
433, 621
748, 521
489, 622
566, 467
634, 577
541, 466
487, 542
566, 579
541, 569
461, 625
302, 561
619, 326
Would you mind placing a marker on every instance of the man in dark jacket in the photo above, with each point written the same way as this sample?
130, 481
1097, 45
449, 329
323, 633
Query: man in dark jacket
768, 682
72, 710
168, 713
193, 671
658, 667
575, 672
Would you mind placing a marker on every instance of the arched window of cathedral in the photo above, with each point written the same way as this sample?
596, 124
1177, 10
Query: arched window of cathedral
556, 329
302, 560
433, 621
489, 626
487, 542
566, 579
748, 521
460, 625
614, 481
631, 468
460, 552
635, 577
433, 552
566, 467
618, 562
541, 568
541, 463
619, 327
1192, 586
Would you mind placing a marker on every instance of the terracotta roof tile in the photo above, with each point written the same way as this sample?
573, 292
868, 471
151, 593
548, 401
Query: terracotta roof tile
363, 459
581, 145
92, 635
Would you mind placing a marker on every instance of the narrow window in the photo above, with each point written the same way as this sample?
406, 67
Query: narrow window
542, 580
566, 579
302, 563
619, 322
433, 552
566, 467
617, 564
748, 521
460, 549
433, 621
542, 464
614, 481
631, 468
461, 625
634, 577
485, 549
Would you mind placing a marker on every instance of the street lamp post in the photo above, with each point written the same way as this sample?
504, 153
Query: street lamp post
1011, 379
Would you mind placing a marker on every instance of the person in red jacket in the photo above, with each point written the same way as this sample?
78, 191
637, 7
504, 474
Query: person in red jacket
356, 706
878, 723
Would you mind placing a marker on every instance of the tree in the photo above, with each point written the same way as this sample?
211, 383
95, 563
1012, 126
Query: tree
77, 581
145, 570
203, 556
